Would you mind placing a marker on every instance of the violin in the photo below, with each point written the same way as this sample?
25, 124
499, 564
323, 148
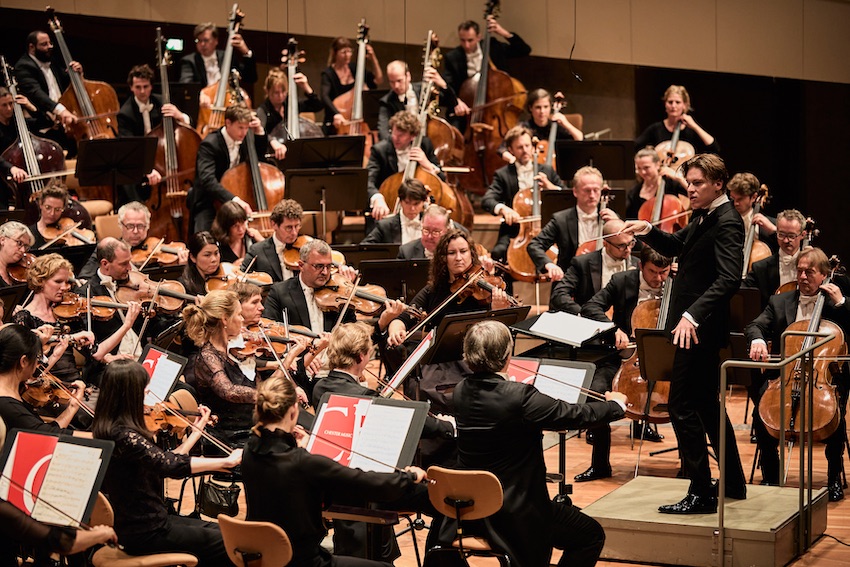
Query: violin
74, 306
367, 299
165, 255
41, 392
292, 254
255, 342
663, 206
66, 231
825, 416
227, 274
754, 249
139, 287
482, 290
18, 271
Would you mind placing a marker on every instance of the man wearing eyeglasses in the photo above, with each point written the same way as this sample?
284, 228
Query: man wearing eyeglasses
591, 272
204, 66
436, 221
779, 269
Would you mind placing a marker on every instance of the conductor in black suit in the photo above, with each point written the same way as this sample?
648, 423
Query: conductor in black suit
710, 258
509, 180
204, 66
464, 61
220, 151
769, 274
783, 309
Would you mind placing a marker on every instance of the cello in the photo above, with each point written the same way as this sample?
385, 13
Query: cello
547, 147
350, 104
527, 204
295, 126
496, 100
663, 206
826, 415
176, 153
754, 249
211, 118
811, 234
258, 184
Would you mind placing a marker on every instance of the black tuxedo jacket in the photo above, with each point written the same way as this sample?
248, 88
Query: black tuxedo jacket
383, 162
386, 231
454, 71
413, 250
289, 295
710, 256
389, 105
213, 160
130, 121
562, 230
193, 70
764, 275
267, 259
33, 85
621, 293
582, 280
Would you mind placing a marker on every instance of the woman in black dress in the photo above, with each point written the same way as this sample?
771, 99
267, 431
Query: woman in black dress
649, 173
677, 105
134, 479
338, 78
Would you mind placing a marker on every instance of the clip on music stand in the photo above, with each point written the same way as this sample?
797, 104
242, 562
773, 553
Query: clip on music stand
115, 161
400, 278
614, 158
342, 189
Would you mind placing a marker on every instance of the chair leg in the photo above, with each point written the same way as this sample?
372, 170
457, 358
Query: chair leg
756, 456
413, 525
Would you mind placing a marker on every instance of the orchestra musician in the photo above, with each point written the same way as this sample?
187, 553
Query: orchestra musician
591, 272
509, 180
571, 227
623, 292
338, 78
274, 110
406, 226
539, 105
286, 485
204, 261
268, 255
500, 425
436, 221
769, 274
677, 105
710, 258
218, 152
650, 172
51, 204
464, 61
406, 95
231, 231
812, 269
204, 66
391, 156
138, 467
15, 241
8, 136
743, 191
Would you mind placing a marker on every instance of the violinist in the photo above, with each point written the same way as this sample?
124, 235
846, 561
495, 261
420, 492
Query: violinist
509, 180
464, 61
591, 272
623, 293
782, 310
436, 221
268, 255
15, 241
204, 261
709, 274
779, 269
220, 151
231, 231
406, 226
677, 105
204, 66
391, 156
51, 204
569, 228
404, 94
539, 105
138, 467
743, 190
273, 111
338, 78
650, 171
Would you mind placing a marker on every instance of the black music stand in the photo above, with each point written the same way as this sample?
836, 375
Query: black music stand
77, 255
341, 189
655, 352
17, 215
614, 158
316, 153
186, 97
116, 161
400, 278
555, 200
356, 253
11, 297
448, 345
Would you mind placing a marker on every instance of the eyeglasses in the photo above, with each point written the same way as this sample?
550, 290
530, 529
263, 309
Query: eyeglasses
135, 227
429, 232
23, 246
787, 235
623, 247
321, 267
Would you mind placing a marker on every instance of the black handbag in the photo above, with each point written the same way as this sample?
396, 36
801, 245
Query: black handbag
215, 499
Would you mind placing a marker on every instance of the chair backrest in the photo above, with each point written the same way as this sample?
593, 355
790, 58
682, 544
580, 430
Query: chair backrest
576, 120
184, 400
107, 225
102, 514
480, 489
255, 544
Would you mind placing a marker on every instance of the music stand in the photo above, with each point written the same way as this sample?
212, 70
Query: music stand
17, 215
341, 189
77, 255
399, 278
11, 297
316, 153
186, 97
556, 200
614, 158
158, 273
356, 253
116, 161
452, 329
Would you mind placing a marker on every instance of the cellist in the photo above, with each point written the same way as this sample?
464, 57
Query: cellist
782, 310
771, 273
543, 117
649, 171
623, 292
743, 190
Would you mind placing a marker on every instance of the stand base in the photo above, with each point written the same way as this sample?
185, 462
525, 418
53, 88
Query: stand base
760, 530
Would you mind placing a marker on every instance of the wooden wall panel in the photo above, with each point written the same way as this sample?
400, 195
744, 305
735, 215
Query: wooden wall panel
826, 40
674, 34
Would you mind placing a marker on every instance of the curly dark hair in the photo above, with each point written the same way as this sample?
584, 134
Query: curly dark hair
439, 276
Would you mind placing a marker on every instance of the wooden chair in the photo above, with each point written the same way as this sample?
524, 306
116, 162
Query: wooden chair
102, 514
576, 120
466, 496
255, 544
107, 225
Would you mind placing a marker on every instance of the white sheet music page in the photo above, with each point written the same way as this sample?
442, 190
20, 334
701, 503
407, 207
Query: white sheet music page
381, 438
68, 484
560, 382
567, 328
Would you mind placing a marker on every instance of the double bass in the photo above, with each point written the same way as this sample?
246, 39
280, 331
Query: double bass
663, 206
546, 156
496, 100
176, 153
350, 104
754, 249
295, 126
223, 93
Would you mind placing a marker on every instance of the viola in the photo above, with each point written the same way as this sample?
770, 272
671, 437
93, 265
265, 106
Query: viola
825, 416
18, 271
754, 249
350, 104
663, 206
170, 294
165, 255
227, 274
482, 289
367, 299
74, 306
66, 231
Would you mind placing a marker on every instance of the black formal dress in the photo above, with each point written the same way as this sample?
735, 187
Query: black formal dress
710, 256
228, 255
17, 528
20, 415
502, 190
193, 70
332, 88
581, 281
561, 230
223, 388
499, 425
270, 118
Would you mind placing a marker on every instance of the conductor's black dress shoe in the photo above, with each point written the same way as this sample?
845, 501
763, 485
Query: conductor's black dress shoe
593, 473
691, 504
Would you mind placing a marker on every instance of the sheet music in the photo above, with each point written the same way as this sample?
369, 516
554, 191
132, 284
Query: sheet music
67, 485
408, 365
383, 444
567, 328
5, 483
554, 381
165, 373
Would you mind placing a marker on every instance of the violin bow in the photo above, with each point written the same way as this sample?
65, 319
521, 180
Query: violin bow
88, 311
347, 302
472, 279
152, 252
